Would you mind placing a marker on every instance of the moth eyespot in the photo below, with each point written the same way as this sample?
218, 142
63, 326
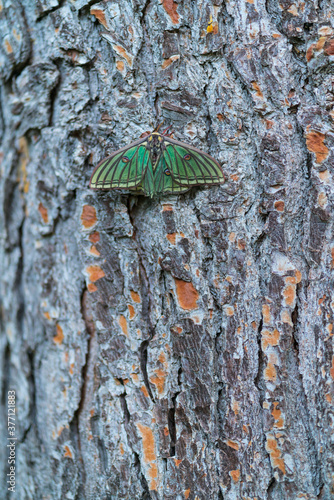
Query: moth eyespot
187, 157
125, 159
167, 172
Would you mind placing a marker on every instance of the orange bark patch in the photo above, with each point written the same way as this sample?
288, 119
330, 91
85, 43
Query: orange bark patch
153, 472
177, 461
331, 371
187, 295
322, 199
275, 454
44, 213
123, 324
144, 390
91, 287
167, 208
257, 88
315, 144
166, 431
241, 244
95, 273
88, 216
24, 160
289, 294
229, 310
148, 442
68, 452
266, 314
100, 16
324, 176
293, 10
132, 311
94, 251
153, 485
235, 475
187, 493
310, 52
329, 47
122, 52
279, 206
277, 414
159, 380
121, 448
232, 444
135, 297
270, 371
170, 60
9, 48
171, 238
94, 237
269, 338
177, 329
320, 43
235, 407
120, 66
162, 357
59, 337
171, 8
322, 299
286, 318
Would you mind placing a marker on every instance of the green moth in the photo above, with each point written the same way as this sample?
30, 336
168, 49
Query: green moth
156, 164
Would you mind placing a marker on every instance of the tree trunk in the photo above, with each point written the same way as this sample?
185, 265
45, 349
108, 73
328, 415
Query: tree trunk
180, 347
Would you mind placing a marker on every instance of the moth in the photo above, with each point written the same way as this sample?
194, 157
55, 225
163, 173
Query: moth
156, 164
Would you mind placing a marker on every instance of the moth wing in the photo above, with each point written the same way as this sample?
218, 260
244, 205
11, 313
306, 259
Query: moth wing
189, 166
123, 169
165, 182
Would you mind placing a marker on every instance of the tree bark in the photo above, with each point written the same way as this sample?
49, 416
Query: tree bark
180, 347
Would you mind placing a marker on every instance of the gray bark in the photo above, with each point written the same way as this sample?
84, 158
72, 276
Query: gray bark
180, 347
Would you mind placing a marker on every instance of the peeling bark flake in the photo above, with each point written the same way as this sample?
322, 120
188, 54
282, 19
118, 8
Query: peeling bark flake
187, 295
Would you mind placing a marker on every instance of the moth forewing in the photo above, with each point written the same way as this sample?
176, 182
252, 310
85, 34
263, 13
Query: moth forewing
190, 166
123, 169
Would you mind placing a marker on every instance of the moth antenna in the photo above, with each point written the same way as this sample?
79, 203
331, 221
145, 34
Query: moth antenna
164, 132
157, 128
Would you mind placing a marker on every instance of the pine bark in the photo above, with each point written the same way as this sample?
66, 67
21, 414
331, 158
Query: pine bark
180, 347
